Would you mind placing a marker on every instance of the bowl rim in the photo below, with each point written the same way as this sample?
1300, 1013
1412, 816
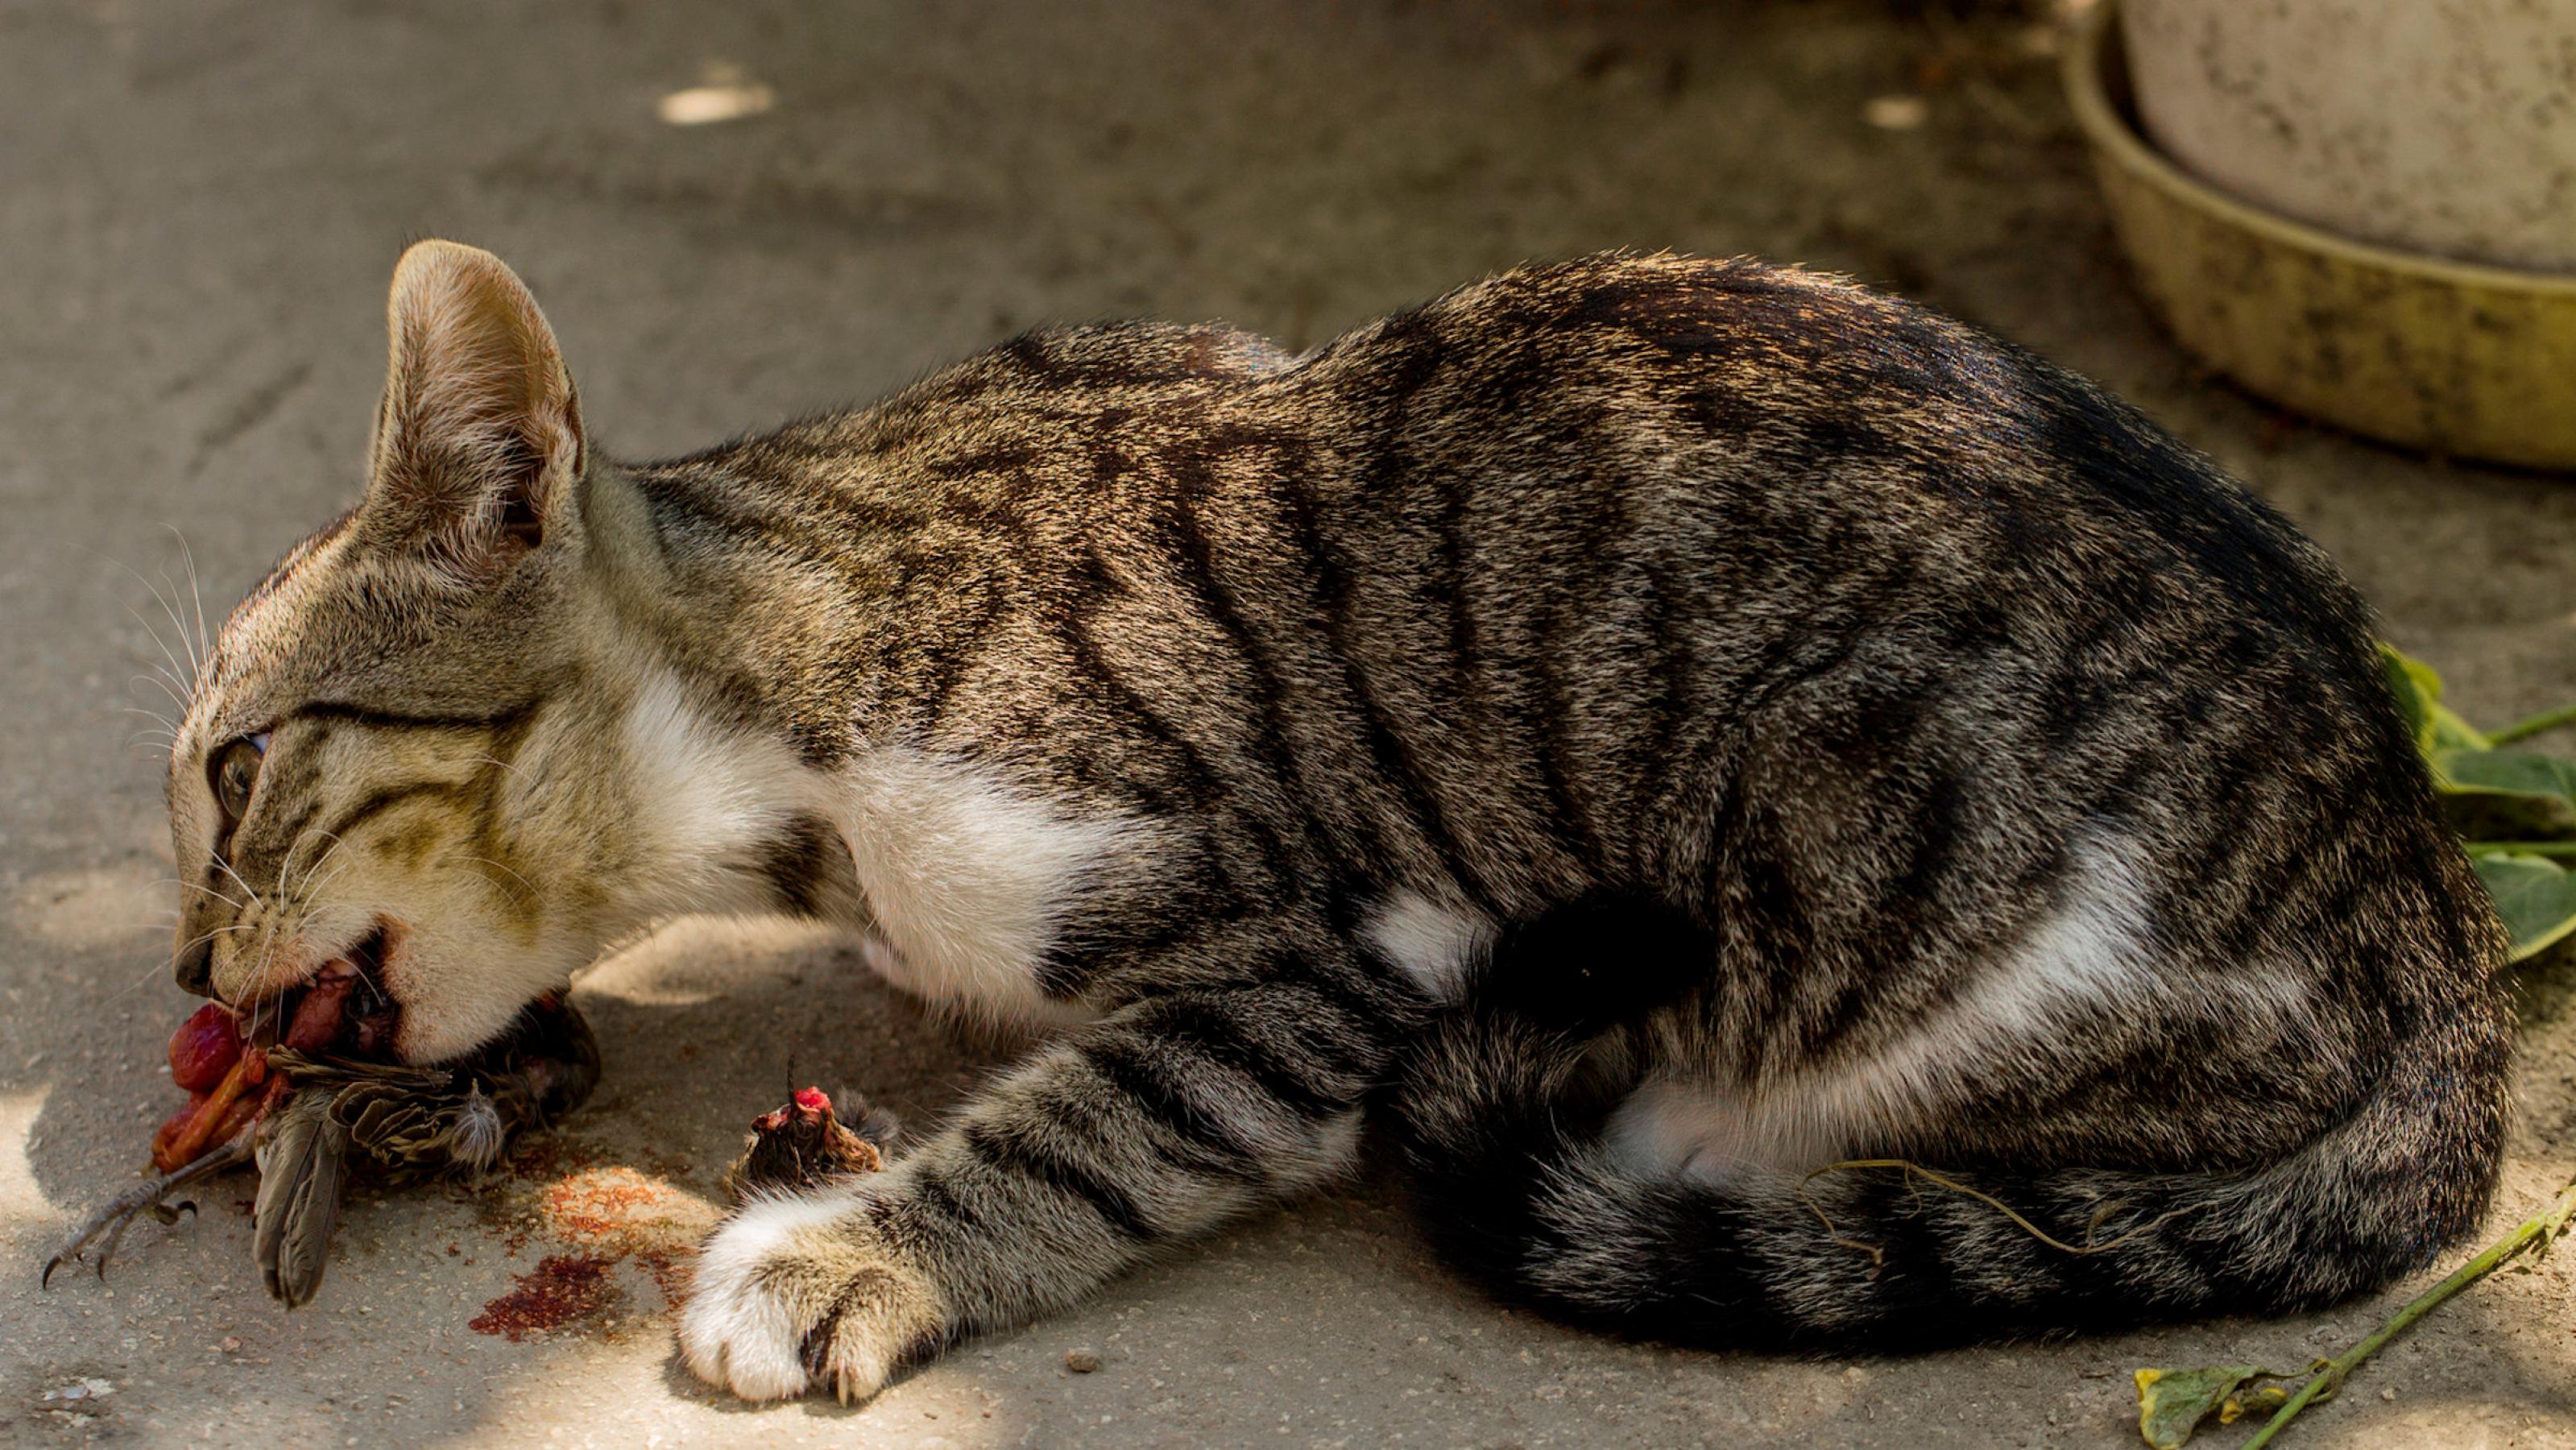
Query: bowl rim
2109, 130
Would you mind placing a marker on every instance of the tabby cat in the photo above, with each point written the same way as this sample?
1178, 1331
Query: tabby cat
1635, 730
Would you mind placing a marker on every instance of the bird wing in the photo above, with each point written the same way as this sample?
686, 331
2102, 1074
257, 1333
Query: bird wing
303, 1165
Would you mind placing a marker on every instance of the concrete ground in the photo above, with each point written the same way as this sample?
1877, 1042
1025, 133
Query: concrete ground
200, 201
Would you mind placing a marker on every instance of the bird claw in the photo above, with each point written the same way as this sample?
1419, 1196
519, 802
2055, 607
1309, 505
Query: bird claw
107, 1226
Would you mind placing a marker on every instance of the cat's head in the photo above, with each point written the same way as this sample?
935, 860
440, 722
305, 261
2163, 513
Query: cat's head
393, 757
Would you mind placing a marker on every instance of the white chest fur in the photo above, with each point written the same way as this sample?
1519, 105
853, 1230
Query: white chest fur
970, 879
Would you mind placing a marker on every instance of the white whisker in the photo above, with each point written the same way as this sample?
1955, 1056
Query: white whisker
159, 680
533, 894
305, 893
200, 886
255, 902
175, 672
312, 891
204, 653
211, 934
170, 680
189, 676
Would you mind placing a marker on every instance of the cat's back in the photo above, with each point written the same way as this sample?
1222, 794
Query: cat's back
1805, 444
1039, 405
1749, 385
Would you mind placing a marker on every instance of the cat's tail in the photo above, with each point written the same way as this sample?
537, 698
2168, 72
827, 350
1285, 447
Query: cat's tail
1514, 1190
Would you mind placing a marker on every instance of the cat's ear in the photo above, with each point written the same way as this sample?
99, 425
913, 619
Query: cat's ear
478, 448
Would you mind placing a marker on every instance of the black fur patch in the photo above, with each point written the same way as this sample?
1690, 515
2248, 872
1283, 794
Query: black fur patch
807, 866
1596, 964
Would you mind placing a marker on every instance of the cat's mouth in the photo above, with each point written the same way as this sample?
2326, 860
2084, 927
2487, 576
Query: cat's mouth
342, 1009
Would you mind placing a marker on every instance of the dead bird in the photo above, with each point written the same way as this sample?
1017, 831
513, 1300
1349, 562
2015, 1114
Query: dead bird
330, 1116
408, 1123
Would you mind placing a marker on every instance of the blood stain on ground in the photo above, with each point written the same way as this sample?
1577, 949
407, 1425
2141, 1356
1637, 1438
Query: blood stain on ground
600, 1214
561, 1290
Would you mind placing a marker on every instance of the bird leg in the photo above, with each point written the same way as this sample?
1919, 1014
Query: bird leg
145, 1197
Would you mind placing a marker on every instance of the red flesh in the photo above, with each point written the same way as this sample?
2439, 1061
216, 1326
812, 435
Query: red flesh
205, 1048
317, 1017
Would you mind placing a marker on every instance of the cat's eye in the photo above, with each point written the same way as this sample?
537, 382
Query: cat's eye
235, 771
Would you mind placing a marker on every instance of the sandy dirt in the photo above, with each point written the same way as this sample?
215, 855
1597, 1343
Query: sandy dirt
200, 202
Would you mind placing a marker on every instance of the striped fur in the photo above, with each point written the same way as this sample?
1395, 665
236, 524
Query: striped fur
1639, 729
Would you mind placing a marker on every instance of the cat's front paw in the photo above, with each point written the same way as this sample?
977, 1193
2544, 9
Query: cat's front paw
795, 1294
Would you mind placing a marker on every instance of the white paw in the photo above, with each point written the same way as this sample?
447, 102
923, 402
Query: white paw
795, 1294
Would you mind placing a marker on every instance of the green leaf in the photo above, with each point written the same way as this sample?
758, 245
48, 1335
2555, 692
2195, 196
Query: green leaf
2419, 695
2417, 688
2452, 732
2535, 896
2520, 774
2173, 1402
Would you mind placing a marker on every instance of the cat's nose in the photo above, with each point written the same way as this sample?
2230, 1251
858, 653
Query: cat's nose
194, 966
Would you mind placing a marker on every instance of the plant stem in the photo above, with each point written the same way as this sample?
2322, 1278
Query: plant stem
2520, 848
2533, 1233
2549, 720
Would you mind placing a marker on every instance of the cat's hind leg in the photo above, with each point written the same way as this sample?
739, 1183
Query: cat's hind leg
1601, 1218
